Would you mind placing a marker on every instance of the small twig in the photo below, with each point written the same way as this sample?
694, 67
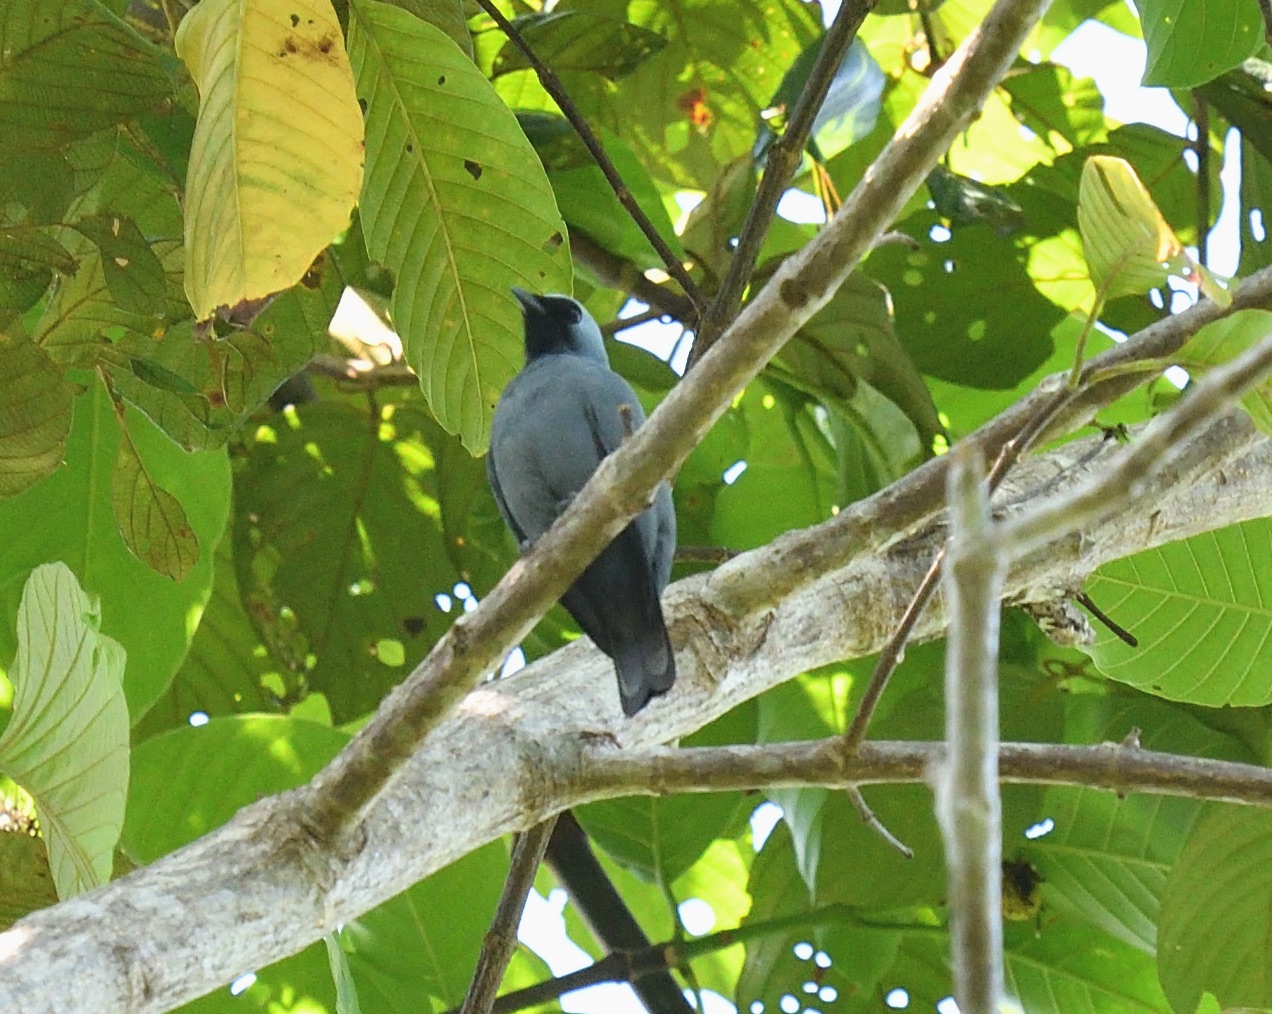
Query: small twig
968, 807
1115, 488
929, 37
875, 824
1117, 629
552, 85
623, 323
890, 656
362, 374
630, 965
501, 938
783, 158
1201, 117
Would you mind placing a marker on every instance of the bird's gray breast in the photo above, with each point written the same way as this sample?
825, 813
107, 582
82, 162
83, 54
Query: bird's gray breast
554, 423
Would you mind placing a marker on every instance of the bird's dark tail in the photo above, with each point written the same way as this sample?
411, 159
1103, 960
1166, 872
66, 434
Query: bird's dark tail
646, 668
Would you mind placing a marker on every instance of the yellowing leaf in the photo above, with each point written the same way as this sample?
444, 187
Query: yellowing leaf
1129, 246
151, 520
67, 743
276, 163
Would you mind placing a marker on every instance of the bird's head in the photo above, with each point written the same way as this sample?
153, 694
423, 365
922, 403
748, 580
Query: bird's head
559, 325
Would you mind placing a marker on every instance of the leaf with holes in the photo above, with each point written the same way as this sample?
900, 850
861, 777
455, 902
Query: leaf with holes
277, 156
133, 272
69, 69
67, 742
35, 415
1225, 339
1202, 611
151, 520
457, 204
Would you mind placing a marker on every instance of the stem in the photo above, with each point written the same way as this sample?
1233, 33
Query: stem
784, 157
552, 85
1201, 117
501, 939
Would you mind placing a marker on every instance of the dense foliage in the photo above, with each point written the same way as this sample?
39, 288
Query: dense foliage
205, 587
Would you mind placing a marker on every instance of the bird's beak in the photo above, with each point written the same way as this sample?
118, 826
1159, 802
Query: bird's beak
528, 300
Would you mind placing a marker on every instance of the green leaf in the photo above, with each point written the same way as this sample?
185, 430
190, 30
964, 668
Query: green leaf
1199, 609
68, 517
339, 545
277, 158
1129, 246
1224, 340
1216, 933
1190, 43
577, 40
133, 272
69, 69
35, 415
1107, 859
425, 941
67, 742
1065, 111
191, 780
222, 673
151, 520
457, 205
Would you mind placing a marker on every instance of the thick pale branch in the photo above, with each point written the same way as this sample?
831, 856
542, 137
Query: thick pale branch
520, 749
622, 485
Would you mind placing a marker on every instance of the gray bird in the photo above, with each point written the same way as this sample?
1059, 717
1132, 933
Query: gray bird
555, 421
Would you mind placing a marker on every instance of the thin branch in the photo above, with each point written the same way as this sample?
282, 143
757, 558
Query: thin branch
890, 657
621, 486
1201, 118
1118, 485
1117, 767
1118, 631
615, 272
623, 323
630, 965
501, 939
783, 159
875, 824
359, 373
968, 807
552, 85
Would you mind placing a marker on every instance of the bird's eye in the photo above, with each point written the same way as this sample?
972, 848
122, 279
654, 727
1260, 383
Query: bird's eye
573, 312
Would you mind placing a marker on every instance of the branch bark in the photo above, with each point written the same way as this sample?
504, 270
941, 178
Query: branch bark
520, 749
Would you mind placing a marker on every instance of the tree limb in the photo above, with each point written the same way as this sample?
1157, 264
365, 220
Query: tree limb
519, 749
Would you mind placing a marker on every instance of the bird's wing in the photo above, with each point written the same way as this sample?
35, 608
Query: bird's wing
500, 502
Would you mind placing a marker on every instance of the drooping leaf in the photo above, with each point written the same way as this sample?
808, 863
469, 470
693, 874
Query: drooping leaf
1192, 43
151, 520
35, 415
1199, 609
277, 157
69, 69
67, 742
1129, 246
457, 205
68, 517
